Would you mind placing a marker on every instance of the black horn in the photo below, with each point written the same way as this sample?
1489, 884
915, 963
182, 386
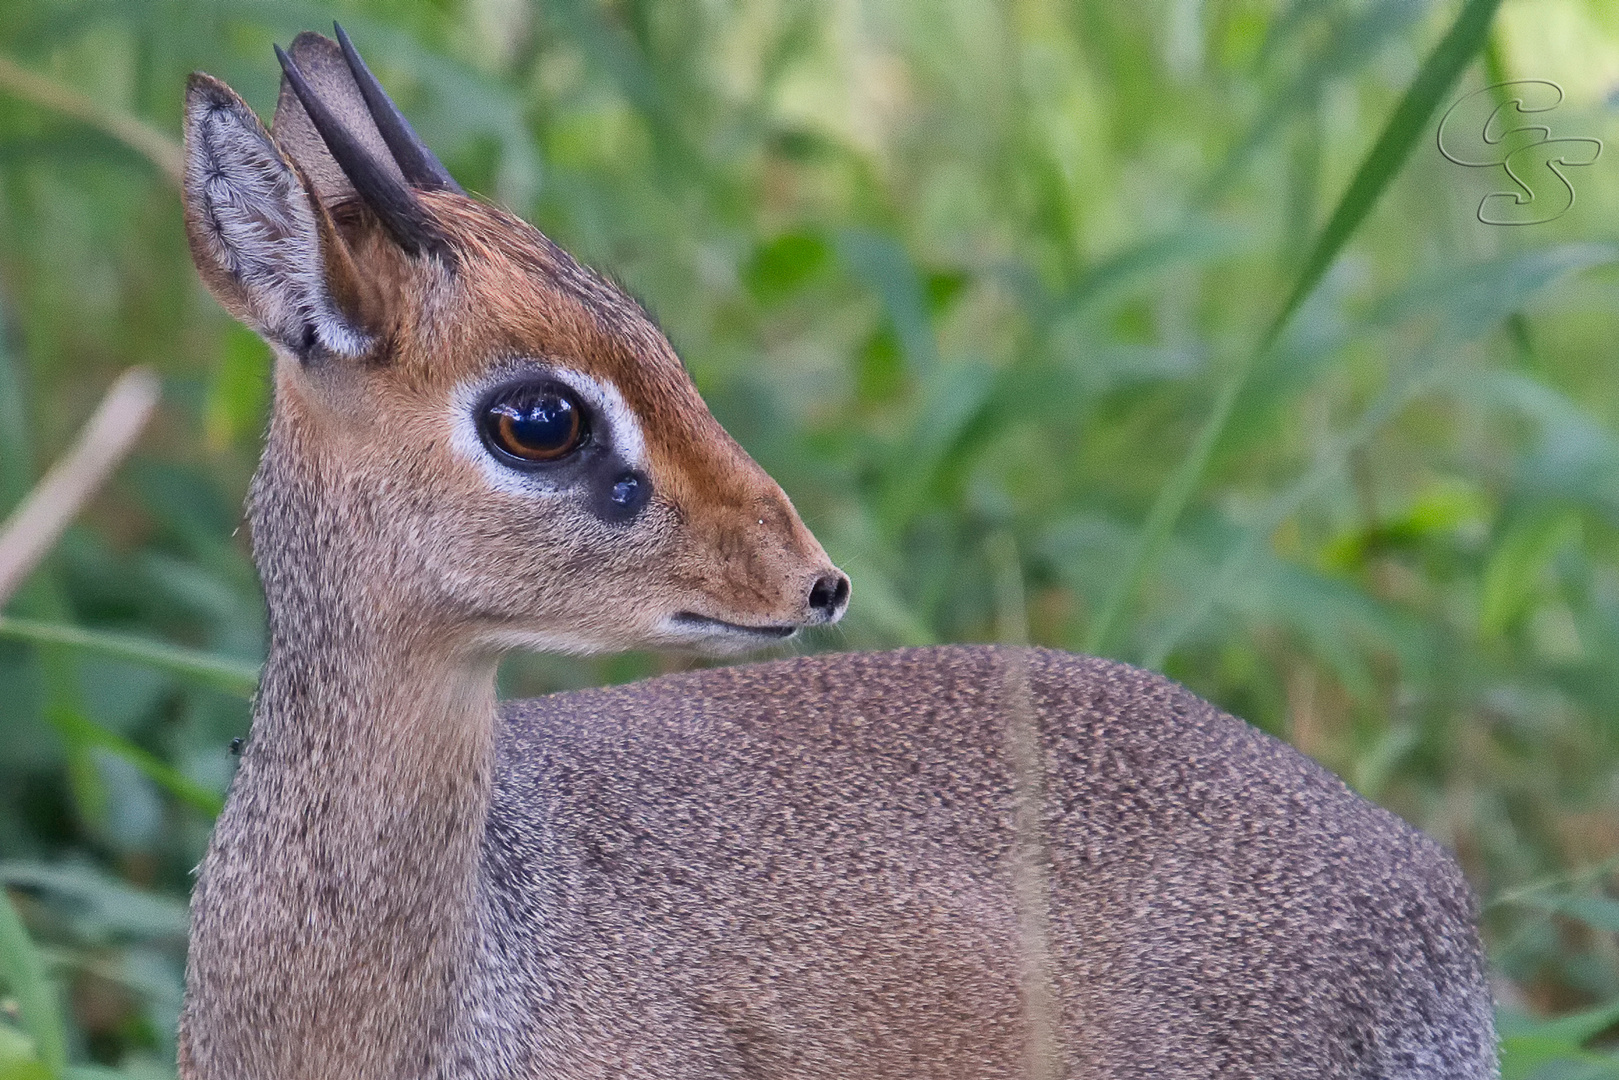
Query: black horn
419, 164
393, 201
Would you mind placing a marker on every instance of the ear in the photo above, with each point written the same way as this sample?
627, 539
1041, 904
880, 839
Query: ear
322, 64
262, 241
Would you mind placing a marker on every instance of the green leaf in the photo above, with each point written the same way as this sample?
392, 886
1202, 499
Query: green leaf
18, 1061
1527, 1044
1575, 455
1442, 508
951, 402
240, 393
88, 733
1468, 302
1512, 577
1197, 242
1438, 74
1597, 912
104, 906
22, 971
24, 1069
782, 265
1538, 1057
1354, 37
16, 468
1469, 299
83, 733
231, 676
881, 264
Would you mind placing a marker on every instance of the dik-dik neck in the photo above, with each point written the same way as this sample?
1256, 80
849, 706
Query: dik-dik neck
334, 912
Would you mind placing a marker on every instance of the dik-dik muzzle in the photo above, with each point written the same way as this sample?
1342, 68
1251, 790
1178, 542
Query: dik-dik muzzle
500, 440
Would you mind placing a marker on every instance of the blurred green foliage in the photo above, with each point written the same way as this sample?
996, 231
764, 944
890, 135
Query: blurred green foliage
988, 287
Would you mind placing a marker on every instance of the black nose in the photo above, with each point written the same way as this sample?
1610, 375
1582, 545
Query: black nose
829, 595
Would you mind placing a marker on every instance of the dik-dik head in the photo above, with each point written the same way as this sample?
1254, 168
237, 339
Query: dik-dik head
485, 439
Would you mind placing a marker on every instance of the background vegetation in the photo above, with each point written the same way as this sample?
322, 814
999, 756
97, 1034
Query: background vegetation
990, 288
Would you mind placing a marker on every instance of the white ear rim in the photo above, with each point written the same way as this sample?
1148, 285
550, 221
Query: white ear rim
259, 225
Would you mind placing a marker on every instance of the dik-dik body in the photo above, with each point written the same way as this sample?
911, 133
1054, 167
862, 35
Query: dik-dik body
954, 862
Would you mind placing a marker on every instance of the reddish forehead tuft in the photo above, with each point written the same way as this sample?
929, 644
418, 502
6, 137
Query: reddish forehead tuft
517, 291
519, 294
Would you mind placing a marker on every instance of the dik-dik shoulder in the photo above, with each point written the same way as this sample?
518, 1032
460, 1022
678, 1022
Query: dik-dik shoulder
1218, 904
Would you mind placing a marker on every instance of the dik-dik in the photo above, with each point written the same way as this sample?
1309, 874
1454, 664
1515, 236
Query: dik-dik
951, 862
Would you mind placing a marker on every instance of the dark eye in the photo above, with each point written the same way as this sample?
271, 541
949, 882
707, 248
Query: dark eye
534, 424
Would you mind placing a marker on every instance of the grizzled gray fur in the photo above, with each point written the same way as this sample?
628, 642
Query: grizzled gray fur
798, 870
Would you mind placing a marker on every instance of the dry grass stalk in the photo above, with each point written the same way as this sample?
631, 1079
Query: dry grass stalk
36, 524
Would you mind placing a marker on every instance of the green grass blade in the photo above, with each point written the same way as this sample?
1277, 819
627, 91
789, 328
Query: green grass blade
105, 907
1439, 72
24, 974
1353, 42
1601, 913
1194, 242
1166, 509
16, 460
87, 733
231, 676
1471, 301
884, 266
1568, 1031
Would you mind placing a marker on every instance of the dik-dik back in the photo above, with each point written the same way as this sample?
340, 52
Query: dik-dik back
811, 868
955, 862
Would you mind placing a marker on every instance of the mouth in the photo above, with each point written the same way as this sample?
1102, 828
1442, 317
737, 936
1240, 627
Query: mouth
688, 622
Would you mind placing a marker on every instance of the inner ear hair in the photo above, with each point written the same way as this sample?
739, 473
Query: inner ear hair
262, 241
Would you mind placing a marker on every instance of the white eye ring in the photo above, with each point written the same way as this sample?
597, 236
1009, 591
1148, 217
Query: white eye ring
599, 397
